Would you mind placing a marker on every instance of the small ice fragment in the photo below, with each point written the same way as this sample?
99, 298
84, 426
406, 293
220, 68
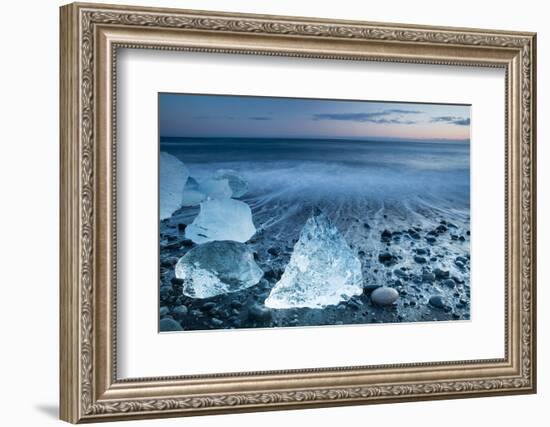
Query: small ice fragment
215, 188
196, 192
191, 184
237, 183
173, 176
322, 270
222, 219
217, 268
192, 198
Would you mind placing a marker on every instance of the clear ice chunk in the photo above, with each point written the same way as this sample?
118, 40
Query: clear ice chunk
173, 176
215, 188
237, 183
217, 268
196, 192
222, 219
322, 270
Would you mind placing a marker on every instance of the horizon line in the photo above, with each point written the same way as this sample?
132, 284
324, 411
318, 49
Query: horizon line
373, 138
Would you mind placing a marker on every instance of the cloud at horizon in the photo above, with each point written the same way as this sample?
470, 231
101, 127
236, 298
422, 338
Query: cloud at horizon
459, 121
274, 117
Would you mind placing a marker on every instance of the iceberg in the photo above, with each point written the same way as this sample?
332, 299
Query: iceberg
222, 219
196, 192
217, 268
173, 176
237, 183
322, 270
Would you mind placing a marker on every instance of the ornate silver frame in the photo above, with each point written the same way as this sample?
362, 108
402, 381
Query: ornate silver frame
90, 36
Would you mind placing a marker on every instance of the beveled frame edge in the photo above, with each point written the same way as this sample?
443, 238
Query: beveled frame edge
89, 390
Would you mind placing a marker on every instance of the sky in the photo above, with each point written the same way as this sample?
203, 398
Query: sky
230, 116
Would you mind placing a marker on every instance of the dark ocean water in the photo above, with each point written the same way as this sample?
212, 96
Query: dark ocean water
334, 169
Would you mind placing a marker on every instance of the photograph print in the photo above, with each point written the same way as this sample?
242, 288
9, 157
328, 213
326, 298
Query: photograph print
293, 212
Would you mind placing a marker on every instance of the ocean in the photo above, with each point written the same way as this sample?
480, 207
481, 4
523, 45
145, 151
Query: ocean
366, 188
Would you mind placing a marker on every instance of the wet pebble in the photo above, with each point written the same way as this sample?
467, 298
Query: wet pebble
259, 312
209, 306
441, 274
400, 273
176, 281
450, 283
385, 236
437, 301
384, 296
180, 311
216, 322
169, 325
387, 259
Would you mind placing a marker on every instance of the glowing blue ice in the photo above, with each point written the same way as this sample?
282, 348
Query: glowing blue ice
217, 268
322, 270
196, 192
173, 176
222, 219
237, 183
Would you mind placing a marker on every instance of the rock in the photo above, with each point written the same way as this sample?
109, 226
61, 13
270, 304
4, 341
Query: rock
323, 270
217, 268
450, 283
216, 322
428, 277
237, 183
370, 288
209, 306
223, 219
165, 292
461, 259
441, 274
259, 312
387, 259
430, 240
169, 325
176, 281
413, 233
180, 311
400, 273
186, 242
421, 251
385, 236
438, 301
167, 262
384, 296
441, 229
420, 259
172, 246
163, 311
181, 226
172, 178
273, 251
273, 274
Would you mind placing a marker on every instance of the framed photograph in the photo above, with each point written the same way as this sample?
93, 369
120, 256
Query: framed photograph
266, 212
